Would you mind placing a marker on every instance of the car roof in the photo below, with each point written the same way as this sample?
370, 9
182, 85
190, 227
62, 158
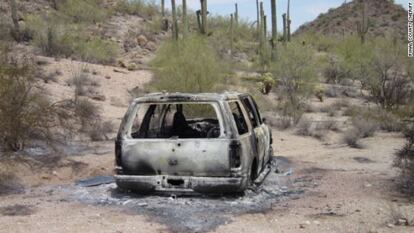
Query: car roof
189, 97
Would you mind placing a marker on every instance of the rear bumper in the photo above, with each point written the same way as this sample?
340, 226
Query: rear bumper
164, 183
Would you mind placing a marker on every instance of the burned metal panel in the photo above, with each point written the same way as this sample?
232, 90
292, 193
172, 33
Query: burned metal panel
201, 157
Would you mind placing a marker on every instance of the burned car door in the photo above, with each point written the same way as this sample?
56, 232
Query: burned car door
259, 130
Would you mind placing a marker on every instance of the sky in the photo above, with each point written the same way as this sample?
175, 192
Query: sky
302, 11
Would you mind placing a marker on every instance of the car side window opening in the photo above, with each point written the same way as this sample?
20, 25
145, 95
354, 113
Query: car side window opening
256, 109
251, 112
181, 120
238, 117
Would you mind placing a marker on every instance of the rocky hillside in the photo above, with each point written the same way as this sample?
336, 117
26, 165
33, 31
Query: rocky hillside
385, 17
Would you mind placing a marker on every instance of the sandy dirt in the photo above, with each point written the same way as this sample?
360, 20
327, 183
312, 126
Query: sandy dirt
346, 190
339, 189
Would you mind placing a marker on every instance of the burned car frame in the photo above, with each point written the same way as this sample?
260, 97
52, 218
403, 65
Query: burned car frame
205, 143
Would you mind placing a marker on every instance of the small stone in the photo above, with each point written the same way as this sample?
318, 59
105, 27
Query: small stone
151, 46
142, 40
390, 225
402, 222
368, 185
99, 97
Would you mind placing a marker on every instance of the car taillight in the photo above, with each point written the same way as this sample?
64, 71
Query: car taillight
118, 153
234, 152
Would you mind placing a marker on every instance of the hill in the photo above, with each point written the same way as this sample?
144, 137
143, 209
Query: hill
385, 17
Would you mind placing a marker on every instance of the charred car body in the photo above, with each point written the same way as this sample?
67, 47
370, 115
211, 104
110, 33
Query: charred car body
192, 142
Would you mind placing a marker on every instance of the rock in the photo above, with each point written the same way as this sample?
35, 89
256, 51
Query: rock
108, 77
142, 40
98, 97
122, 64
402, 222
131, 67
390, 225
303, 225
151, 46
368, 185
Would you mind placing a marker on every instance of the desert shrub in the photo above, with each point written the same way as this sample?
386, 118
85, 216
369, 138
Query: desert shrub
57, 38
354, 58
333, 70
385, 120
318, 42
295, 69
26, 114
362, 127
96, 50
296, 78
316, 129
335, 107
188, 65
243, 37
388, 83
100, 129
86, 111
366, 127
83, 11
352, 137
137, 7
404, 160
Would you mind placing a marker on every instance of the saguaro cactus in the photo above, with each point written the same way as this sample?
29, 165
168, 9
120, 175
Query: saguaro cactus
236, 14
185, 21
274, 28
258, 19
363, 26
175, 22
162, 8
231, 34
15, 19
284, 28
262, 33
288, 21
198, 13
204, 28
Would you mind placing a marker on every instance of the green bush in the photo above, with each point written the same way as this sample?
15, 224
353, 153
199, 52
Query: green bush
96, 50
188, 65
137, 7
83, 11
354, 58
295, 72
26, 114
60, 39
388, 82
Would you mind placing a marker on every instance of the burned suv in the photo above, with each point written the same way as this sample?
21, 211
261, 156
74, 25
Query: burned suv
192, 143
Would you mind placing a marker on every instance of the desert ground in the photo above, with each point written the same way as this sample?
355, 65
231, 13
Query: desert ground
327, 186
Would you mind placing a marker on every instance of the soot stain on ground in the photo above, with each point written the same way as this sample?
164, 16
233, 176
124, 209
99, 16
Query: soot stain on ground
193, 213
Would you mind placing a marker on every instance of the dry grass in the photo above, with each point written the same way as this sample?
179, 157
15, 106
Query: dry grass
361, 128
316, 129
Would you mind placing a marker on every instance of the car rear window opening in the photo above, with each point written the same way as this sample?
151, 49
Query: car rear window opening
175, 120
